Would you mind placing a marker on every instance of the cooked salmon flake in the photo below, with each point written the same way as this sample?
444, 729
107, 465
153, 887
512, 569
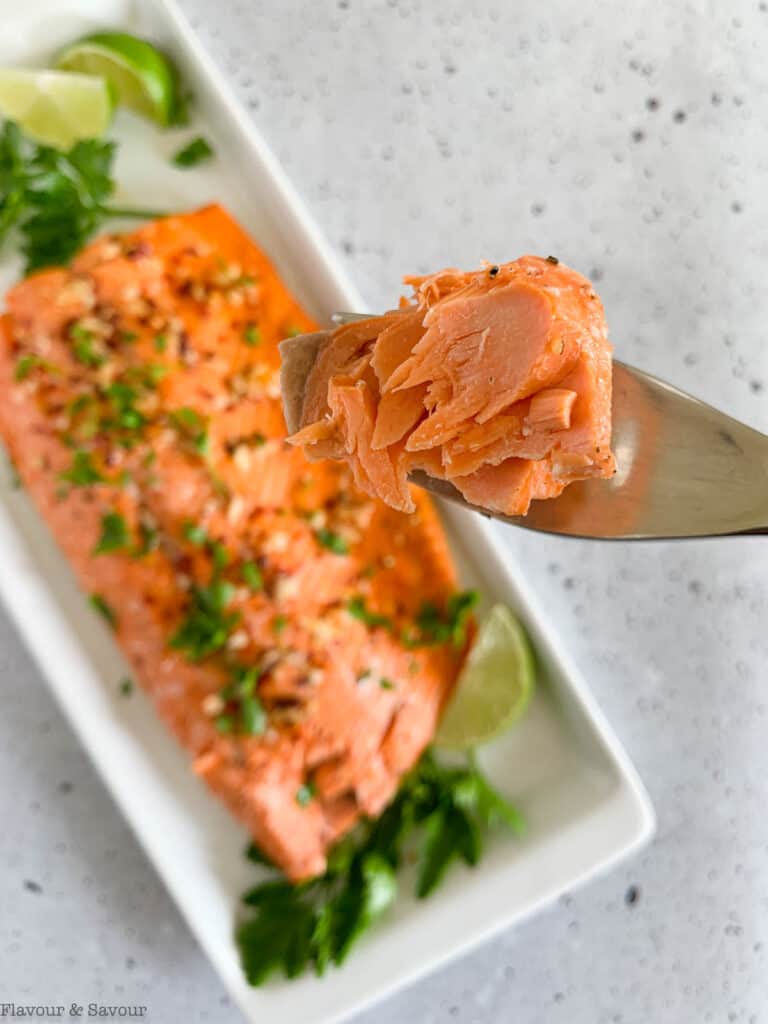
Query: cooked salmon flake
204, 496
497, 381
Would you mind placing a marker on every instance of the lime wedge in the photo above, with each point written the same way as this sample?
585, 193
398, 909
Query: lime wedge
143, 78
54, 107
495, 686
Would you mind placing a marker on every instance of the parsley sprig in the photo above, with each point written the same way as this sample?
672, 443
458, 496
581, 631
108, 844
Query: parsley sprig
55, 199
442, 811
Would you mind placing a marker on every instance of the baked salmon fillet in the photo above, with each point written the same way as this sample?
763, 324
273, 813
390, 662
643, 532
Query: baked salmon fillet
282, 621
497, 380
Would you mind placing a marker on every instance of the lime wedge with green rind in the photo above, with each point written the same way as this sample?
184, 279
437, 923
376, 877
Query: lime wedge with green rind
143, 78
495, 685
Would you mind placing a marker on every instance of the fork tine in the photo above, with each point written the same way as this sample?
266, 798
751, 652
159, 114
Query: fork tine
348, 318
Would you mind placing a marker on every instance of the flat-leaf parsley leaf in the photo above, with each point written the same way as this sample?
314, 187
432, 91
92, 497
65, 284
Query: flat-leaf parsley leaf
444, 809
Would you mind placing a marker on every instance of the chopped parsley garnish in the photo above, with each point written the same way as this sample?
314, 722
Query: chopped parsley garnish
128, 337
386, 684
154, 373
357, 609
104, 609
363, 675
332, 541
195, 534
55, 199
441, 812
436, 626
84, 417
193, 428
251, 335
244, 711
83, 347
252, 576
187, 418
193, 153
82, 472
279, 623
125, 687
114, 534
252, 716
292, 331
79, 404
220, 555
160, 343
206, 627
198, 535
148, 538
305, 793
123, 414
26, 365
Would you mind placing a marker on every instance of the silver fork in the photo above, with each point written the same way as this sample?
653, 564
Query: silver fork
684, 468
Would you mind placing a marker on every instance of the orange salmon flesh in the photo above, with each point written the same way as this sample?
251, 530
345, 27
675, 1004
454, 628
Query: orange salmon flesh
497, 380
261, 600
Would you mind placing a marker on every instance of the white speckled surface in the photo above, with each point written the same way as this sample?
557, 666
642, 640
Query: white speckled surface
630, 139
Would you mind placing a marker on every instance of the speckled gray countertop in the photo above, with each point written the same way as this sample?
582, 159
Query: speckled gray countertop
630, 139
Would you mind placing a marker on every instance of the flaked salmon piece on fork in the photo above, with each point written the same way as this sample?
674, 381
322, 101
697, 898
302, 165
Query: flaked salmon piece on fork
497, 380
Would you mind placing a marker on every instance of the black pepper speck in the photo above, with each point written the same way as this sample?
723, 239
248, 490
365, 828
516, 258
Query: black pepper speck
632, 895
31, 886
652, 103
679, 116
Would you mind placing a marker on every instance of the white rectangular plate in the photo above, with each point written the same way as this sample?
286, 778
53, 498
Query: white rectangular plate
563, 766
